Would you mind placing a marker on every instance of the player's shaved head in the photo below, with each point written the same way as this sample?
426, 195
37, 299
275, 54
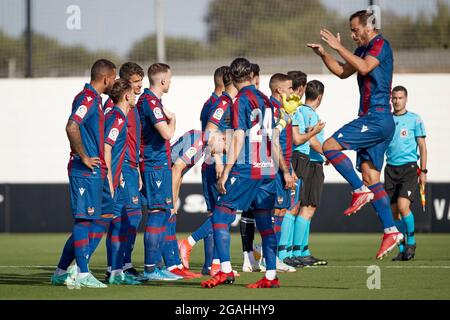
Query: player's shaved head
218, 75
119, 89
276, 79
241, 70
102, 68
129, 69
155, 70
298, 78
314, 89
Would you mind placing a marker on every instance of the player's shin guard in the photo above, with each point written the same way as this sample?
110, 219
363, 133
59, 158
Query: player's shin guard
96, 232
247, 229
221, 220
118, 242
169, 254
209, 250
286, 230
134, 219
68, 254
81, 243
300, 227
203, 231
278, 221
153, 237
408, 220
344, 166
264, 224
381, 204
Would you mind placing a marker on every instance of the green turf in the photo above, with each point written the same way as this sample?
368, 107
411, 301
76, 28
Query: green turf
27, 260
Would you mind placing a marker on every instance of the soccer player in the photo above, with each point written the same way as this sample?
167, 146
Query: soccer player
372, 132
186, 152
157, 127
123, 96
217, 123
312, 176
248, 176
90, 194
133, 73
218, 89
401, 171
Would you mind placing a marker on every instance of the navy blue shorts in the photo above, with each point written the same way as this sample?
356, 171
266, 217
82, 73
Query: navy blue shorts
209, 183
245, 192
132, 195
369, 136
157, 188
90, 197
283, 198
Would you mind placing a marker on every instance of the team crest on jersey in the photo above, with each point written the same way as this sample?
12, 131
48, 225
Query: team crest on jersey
122, 183
107, 110
280, 200
120, 120
404, 133
90, 211
158, 113
135, 200
168, 200
88, 99
191, 152
113, 134
158, 183
81, 111
218, 114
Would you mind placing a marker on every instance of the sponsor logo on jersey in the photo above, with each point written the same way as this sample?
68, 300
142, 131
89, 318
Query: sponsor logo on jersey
264, 164
340, 135
232, 180
120, 120
158, 113
113, 134
81, 111
89, 99
158, 183
218, 114
364, 128
81, 190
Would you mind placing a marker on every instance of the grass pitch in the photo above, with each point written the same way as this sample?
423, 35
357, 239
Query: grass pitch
27, 262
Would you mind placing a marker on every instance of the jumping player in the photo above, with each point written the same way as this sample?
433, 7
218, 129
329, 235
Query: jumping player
371, 133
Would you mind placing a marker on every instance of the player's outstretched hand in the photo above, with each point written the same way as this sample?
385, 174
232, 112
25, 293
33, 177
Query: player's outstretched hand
317, 48
221, 183
289, 180
291, 103
91, 163
333, 41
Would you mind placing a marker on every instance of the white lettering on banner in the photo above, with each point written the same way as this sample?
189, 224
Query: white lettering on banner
439, 208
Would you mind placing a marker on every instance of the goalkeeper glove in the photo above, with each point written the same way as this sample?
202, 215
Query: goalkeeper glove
283, 120
290, 104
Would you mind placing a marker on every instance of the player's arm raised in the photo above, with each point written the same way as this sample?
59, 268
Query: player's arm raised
76, 144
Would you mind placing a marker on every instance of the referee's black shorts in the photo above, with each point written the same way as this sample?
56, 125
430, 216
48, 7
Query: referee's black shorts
300, 163
312, 185
401, 181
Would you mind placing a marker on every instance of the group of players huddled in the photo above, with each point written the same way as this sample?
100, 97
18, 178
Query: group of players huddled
262, 157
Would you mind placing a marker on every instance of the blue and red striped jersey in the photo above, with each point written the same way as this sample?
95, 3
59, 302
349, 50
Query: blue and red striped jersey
220, 112
189, 148
133, 137
286, 135
116, 137
155, 150
375, 87
108, 105
206, 109
88, 114
253, 112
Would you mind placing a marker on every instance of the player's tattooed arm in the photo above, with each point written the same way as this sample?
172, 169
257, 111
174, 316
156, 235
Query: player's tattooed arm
76, 145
